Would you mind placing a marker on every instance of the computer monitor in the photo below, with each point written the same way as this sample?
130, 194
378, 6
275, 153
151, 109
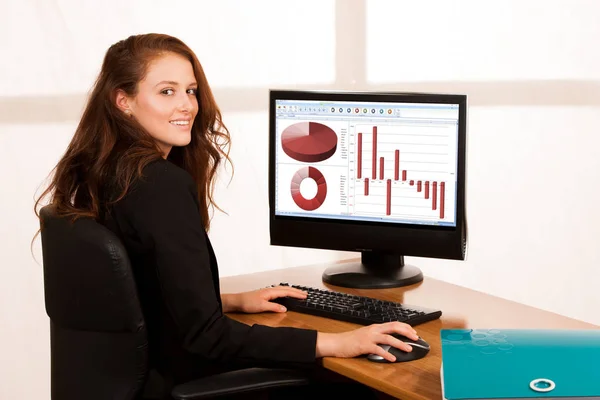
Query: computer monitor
382, 174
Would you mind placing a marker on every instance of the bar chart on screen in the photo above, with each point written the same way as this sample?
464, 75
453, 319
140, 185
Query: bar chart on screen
404, 171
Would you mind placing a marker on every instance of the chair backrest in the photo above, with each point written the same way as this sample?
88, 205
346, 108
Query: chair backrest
99, 347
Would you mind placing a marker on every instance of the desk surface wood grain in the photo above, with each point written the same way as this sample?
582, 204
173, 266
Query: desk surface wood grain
416, 380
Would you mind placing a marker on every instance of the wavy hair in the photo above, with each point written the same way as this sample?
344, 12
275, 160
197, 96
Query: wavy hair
109, 150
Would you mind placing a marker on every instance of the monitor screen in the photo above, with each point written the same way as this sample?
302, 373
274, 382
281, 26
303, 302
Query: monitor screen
369, 161
346, 167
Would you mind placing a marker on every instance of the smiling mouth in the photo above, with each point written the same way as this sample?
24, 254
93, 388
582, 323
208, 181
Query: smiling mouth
180, 123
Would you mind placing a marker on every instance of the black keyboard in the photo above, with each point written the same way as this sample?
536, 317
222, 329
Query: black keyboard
357, 309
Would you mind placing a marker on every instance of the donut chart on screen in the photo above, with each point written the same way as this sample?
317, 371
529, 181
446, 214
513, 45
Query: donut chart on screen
309, 141
301, 201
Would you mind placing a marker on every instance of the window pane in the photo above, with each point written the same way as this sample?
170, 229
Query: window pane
259, 43
482, 40
254, 43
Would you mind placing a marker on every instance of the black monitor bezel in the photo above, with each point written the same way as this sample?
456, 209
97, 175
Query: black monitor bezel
347, 235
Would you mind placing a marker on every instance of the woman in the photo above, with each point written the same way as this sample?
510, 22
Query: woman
143, 161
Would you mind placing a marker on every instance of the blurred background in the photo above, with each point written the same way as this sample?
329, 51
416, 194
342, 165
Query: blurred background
530, 68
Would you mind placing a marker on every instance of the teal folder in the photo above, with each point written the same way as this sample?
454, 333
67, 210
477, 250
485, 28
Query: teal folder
520, 364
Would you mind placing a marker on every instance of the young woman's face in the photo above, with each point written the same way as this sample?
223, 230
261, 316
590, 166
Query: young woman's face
166, 102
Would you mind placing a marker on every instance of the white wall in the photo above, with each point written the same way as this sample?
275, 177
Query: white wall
531, 70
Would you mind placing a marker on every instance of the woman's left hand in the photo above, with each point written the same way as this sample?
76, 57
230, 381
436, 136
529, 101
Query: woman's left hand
259, 300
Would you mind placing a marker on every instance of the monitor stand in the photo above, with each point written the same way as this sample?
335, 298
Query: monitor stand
374, 271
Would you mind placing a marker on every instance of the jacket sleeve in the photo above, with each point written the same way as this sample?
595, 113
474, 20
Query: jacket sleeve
163, 209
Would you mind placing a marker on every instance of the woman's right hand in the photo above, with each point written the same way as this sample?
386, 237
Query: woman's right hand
365, 340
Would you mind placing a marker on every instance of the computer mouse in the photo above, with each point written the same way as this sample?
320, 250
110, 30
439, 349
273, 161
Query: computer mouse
420, 348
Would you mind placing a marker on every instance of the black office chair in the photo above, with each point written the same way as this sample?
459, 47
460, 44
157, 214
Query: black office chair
99, 347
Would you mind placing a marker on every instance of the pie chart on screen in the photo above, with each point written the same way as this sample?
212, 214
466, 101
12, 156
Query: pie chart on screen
299, 199
309, 141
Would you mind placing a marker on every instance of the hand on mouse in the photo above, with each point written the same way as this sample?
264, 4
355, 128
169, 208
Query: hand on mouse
365, 340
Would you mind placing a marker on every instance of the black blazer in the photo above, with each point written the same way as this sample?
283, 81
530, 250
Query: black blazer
178, 279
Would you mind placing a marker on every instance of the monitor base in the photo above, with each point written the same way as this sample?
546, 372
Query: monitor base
374, 271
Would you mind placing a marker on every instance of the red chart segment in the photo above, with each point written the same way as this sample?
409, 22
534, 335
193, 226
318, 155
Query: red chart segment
309, 141
299, 199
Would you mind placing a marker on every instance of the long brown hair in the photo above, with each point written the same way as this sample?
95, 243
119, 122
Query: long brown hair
109, 149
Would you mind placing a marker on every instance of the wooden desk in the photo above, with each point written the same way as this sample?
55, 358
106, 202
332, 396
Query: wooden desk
420, 379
